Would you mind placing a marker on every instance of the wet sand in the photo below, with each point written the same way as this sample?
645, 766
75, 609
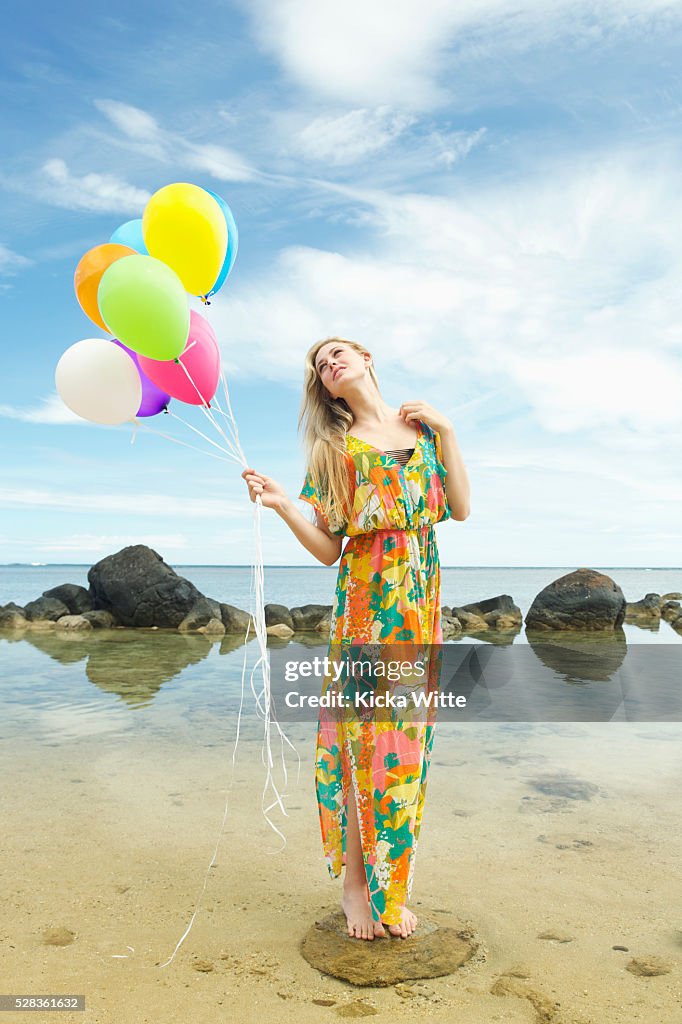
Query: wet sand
553, 843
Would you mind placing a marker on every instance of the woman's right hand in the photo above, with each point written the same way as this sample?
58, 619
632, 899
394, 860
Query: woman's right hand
272, 494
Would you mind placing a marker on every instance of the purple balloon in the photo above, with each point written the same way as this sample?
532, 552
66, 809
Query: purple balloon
154, 400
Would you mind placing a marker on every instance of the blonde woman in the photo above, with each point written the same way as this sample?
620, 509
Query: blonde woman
383, 478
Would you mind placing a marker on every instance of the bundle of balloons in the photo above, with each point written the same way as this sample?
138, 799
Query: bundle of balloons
135, 287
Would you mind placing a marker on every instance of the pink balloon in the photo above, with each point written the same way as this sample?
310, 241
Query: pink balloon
193, 377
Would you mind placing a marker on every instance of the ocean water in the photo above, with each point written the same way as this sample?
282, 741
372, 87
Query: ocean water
123, 750
315, 585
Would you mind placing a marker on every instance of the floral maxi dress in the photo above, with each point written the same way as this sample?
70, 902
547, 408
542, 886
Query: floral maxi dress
387, 592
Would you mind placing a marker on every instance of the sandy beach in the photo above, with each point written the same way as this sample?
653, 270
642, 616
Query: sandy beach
552, 843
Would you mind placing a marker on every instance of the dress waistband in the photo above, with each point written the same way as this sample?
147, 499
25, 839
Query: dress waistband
394, 529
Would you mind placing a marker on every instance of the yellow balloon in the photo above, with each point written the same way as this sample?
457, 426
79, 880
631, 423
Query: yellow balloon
184, 226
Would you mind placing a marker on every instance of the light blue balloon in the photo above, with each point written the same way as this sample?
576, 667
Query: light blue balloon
232, 243
130, 234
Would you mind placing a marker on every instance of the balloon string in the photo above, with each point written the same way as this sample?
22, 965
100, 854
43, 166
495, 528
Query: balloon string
207, 411
222, 824
263, 699
211, 442
169, 437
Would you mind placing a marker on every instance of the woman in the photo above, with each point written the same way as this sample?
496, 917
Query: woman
384, 487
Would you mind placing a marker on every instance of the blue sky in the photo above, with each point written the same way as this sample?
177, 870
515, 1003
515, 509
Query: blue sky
486, 194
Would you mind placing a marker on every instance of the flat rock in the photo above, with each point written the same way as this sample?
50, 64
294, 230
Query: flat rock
58, 937
648, 966
100, 619
564, 786
280, 629
430, 952
214, 627
498, 613
73, 622
648, 609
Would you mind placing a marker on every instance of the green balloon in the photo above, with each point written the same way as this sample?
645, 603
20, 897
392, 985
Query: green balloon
144, 305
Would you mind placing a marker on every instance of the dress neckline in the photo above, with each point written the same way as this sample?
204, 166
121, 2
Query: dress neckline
418, 425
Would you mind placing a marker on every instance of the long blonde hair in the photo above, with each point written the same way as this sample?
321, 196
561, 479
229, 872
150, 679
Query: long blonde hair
324, 421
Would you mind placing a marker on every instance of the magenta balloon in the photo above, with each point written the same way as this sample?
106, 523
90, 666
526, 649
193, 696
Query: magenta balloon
200, 359
154, 400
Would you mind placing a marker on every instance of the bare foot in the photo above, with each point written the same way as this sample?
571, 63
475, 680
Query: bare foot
407, 925
359, 919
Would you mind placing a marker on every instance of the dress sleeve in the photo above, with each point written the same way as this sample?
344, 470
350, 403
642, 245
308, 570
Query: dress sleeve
442, 472
310, 493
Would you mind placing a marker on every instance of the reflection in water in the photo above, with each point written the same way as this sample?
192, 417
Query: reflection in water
579, 657
134, 665
556, 676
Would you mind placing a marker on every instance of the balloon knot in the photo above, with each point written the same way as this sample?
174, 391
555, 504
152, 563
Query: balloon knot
176, 360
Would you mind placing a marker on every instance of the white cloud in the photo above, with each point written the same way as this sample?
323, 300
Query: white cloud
11, 261
146, 136
396, 51
103, 544
133, 122
451, 147
562, 289
50, 410
376, 52
93, 192
350, 137
128, 504
603, 386
222, 163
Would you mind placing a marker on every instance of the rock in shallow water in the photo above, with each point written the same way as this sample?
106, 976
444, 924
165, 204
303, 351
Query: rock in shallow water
139, 589
582, 600
430, 952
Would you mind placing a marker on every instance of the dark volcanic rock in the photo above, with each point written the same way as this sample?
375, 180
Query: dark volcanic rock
200, 614
77, 599
498, 612
309, 616
235, 620
584, 600
139, 589
430, 952
100, 619
45, 608
647, 610
276, 614
12, 616
671, 610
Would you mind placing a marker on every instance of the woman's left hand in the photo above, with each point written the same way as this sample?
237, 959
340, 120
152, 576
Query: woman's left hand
425, 412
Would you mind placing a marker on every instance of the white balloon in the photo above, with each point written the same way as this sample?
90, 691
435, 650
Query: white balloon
99, 381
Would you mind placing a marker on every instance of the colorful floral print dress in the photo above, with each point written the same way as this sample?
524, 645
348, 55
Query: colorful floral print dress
387, 592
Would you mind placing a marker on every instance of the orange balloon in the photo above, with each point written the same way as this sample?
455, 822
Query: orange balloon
89, 274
